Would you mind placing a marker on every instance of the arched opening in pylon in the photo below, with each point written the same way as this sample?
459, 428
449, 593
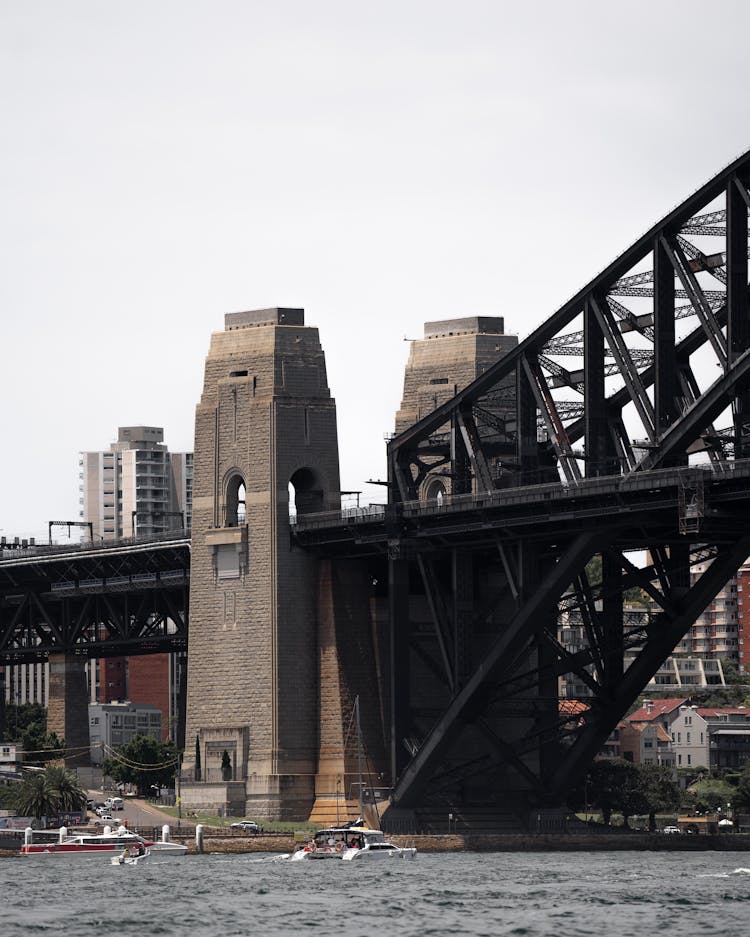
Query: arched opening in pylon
305, 492
236, 510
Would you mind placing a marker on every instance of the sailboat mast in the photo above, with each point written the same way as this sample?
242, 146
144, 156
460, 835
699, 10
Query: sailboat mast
359, 754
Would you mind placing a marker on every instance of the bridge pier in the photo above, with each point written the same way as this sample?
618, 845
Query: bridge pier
67, 707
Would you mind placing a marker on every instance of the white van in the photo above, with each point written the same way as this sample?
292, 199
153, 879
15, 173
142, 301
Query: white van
114, 803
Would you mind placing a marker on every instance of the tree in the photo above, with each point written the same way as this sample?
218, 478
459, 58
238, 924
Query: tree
741, 798
711, 794
35, 797
27, 724
144, 761
660, 792
18, 718
47, 793
40, 746
71, 795
613, 786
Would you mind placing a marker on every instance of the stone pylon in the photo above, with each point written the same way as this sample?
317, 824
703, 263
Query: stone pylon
265, 447
67, 707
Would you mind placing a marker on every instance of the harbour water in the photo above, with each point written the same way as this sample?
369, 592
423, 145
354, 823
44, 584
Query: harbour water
477, 894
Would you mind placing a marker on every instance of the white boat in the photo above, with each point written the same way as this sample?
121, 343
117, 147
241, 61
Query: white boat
375, 847
109, 843
351, 841
129, 857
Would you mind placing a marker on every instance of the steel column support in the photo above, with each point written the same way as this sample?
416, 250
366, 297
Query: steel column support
598, 443
460, 464
546, 689
612, 619
665, 363
738, 307
499, 658
697, 297
463, 604
473, 448
2, 702
438, 611
400, 690
628, 370
528, 447
555, 427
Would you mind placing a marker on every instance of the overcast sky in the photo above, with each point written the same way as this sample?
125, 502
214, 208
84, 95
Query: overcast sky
378, 164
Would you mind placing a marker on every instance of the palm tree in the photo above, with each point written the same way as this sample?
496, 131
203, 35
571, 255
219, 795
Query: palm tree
33, 797
49, 792
72, 795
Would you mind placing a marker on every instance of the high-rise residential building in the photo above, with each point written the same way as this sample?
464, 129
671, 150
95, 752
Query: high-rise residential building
743, 616
137, 488
715, 633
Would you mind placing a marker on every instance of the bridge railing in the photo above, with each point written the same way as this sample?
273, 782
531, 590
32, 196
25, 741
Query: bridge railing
363, 514
47, 549
528, 494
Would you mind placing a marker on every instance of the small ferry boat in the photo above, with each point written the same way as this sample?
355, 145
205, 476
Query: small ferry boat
109, 843
349, 842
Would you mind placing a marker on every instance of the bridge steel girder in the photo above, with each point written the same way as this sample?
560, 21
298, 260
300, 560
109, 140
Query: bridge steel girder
101, 601
120, 624
648, 403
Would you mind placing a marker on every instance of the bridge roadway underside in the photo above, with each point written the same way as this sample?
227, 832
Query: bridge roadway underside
65, 605
478, 588
639, 509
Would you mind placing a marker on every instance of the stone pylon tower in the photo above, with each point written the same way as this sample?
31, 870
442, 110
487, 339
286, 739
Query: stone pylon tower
265, 438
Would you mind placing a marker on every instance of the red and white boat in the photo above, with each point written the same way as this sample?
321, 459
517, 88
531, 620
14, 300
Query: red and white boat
108, 843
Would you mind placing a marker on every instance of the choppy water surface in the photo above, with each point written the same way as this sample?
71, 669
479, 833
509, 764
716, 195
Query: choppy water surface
561, 894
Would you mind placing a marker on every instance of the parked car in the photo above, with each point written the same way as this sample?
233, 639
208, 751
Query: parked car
247, 826
104, 820
671, 829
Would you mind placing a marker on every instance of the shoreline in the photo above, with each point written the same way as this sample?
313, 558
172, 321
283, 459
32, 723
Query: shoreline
215, 842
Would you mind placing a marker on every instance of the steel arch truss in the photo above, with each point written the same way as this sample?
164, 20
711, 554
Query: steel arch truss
646, 368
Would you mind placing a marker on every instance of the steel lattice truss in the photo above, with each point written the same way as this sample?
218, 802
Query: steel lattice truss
95, 602
646, 369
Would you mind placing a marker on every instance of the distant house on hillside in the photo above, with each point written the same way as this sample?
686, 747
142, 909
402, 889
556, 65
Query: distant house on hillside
646, 743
